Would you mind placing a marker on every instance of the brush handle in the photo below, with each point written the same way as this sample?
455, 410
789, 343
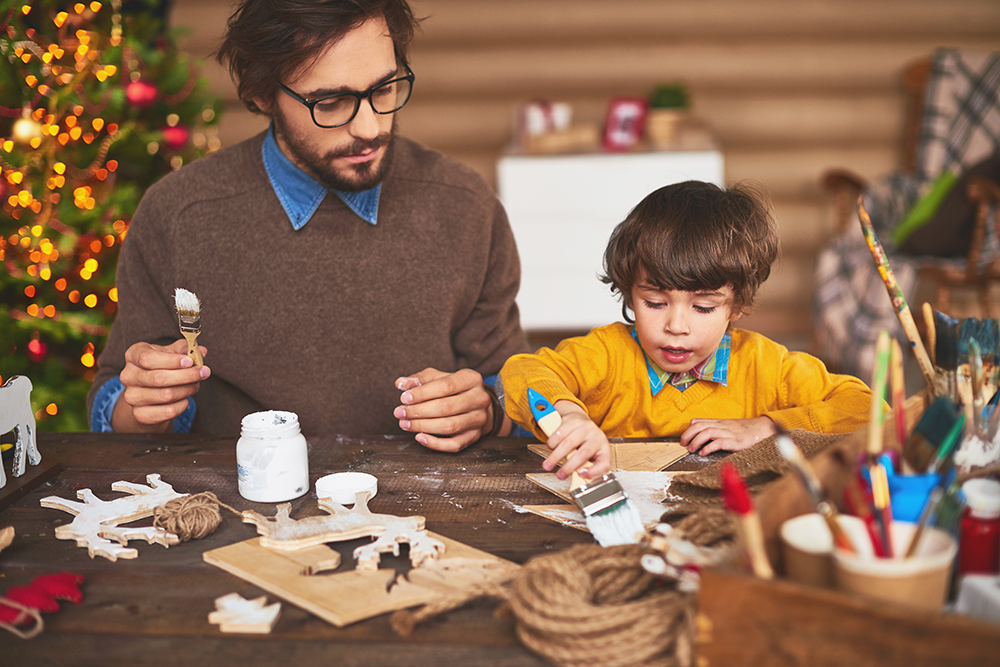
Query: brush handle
748, 525
896, 295
931, 332
193, 351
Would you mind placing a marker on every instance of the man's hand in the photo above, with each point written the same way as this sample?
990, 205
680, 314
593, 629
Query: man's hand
581, 440
447, 411
158, 381
705, 436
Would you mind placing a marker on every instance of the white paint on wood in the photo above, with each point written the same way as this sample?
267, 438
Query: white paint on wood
16, 415
96, 523
234, 613
341, 524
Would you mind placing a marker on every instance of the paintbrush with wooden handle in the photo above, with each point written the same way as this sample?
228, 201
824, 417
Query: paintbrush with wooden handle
736, 498
189, 319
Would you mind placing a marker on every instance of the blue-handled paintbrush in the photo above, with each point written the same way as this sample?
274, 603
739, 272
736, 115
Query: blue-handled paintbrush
611, 518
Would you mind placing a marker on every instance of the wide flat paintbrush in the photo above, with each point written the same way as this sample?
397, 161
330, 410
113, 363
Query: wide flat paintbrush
737, 500
824, 507
611, 518
189, 318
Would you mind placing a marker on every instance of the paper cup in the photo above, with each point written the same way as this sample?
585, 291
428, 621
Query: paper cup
807, 548
921, 581
343, 487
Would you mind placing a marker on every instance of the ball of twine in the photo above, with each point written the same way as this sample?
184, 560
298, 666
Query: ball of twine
588, 605
190, 517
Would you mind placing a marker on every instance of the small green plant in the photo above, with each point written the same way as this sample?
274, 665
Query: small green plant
670, 96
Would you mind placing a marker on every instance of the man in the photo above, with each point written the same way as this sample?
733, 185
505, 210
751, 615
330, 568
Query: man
329, 255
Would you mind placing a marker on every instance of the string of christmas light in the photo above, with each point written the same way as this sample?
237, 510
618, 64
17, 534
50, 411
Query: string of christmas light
85, 127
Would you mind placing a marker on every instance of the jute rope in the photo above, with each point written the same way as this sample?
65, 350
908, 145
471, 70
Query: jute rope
191, 517
587, 605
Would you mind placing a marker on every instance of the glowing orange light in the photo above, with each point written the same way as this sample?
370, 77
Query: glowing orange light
33, 310
111, 165
90, 300
49, 310
52, 409
113, 294
95, 246
61, 284
74, 296
87, 360
29, 291
97, 124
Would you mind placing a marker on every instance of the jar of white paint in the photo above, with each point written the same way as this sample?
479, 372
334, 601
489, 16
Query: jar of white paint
272, 457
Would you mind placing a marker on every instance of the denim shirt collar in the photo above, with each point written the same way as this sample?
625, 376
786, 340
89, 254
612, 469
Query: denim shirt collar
713, 369
300, 195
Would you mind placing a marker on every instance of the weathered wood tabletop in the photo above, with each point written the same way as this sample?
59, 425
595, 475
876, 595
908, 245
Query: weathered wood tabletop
153, 609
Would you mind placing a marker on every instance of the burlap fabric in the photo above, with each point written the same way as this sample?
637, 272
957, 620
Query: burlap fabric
694, 504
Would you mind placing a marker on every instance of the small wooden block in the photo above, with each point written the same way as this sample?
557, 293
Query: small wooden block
6, 537
33, 477
234, 613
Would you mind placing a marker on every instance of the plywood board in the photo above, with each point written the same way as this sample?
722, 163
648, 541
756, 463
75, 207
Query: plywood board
649, 456
645, 489
346, 597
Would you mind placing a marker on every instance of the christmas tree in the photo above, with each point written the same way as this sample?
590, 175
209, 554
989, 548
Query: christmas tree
96, 103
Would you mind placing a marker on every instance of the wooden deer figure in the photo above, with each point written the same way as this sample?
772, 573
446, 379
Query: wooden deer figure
16, 415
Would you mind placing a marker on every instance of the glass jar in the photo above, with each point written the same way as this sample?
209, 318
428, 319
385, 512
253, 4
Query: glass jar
272, 458
979, 535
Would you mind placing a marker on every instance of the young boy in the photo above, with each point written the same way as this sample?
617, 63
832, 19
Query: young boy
687, 261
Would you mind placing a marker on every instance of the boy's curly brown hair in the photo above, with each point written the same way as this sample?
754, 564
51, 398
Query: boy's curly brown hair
695, 236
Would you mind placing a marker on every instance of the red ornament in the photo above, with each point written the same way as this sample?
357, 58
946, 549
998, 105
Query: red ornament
62, 586
37, 350
175, 138
30, 596
141, 94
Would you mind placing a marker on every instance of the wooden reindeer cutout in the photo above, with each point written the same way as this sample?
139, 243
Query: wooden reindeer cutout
16, 415
284, 533
96, 525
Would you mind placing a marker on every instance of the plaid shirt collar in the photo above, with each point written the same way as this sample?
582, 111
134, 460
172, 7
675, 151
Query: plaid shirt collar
713, 369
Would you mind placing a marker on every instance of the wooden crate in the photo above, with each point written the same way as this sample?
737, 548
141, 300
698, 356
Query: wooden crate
758, 622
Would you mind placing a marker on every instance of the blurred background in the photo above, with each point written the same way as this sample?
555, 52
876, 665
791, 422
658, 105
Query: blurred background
788, 89
778, 92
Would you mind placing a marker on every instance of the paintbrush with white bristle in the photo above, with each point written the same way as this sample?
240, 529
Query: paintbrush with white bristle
189, 318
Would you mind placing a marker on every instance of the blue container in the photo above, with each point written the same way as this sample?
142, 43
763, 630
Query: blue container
909, 493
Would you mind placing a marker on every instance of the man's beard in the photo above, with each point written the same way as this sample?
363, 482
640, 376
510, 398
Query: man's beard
354, 178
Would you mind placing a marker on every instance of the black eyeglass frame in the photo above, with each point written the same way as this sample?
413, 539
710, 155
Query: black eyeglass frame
358, 98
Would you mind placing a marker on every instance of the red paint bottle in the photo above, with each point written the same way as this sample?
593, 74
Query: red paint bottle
979, 535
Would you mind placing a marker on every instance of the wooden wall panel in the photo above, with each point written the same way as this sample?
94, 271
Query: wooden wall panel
788, 88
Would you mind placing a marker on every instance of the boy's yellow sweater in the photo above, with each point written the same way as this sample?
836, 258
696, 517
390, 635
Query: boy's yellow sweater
605, 373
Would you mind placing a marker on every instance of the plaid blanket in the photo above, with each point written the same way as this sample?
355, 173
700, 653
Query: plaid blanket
960, 127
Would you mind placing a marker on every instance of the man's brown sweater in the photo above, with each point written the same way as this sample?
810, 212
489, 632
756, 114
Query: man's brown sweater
319, 321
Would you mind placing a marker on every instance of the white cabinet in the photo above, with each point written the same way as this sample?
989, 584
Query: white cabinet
563, 208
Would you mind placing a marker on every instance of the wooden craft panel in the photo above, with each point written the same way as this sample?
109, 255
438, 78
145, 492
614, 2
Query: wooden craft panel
649, 456
346, 597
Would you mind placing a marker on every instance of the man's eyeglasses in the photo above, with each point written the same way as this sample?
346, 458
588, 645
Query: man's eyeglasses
341, 108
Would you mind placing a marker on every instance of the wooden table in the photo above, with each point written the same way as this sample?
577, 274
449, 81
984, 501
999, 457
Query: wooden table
153, 609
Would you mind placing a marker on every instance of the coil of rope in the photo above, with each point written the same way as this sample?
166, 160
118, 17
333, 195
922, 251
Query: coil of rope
588, 604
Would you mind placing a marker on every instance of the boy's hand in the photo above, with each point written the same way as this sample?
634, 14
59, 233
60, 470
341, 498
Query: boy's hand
705, 436
579, 439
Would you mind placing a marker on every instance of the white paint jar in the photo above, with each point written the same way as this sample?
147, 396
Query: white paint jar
272, 458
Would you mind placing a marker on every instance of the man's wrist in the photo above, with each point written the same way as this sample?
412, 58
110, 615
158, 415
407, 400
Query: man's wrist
498, 413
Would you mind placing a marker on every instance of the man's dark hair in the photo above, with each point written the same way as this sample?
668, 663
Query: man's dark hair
267, 40
694, 236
